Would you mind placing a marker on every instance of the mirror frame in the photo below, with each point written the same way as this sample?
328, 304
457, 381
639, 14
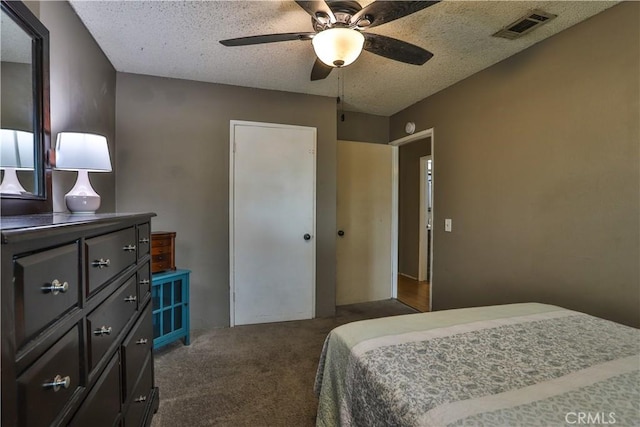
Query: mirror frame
42, 201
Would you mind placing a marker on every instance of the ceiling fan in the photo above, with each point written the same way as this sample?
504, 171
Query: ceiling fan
339, 36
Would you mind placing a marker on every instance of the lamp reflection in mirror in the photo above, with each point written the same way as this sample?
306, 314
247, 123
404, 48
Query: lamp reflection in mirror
16, 153
338, 47
82, 152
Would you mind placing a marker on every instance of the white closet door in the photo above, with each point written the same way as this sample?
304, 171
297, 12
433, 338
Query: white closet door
272, 222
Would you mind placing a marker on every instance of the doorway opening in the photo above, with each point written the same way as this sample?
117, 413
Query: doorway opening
413, 220
426, 211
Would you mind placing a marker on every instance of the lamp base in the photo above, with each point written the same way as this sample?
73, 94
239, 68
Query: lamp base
11, 183
82, 199
82, 204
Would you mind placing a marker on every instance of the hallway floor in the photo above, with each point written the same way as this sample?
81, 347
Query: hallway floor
413, 293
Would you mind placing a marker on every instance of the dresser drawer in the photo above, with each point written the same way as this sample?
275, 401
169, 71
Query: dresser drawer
144, 283
102, 406
108, 255
144, 239
135, 350
46, 287
46, 387
106, 322
141, 396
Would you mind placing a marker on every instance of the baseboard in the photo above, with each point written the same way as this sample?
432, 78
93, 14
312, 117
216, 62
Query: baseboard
408, 276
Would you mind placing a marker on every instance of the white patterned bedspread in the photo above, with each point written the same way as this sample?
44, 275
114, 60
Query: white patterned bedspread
508, 365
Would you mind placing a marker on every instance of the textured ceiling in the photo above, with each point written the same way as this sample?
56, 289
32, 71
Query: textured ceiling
179, 39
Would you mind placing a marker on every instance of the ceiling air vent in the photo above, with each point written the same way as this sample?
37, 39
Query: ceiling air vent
525, 25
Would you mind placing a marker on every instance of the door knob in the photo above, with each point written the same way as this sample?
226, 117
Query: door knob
340, 233
307, 236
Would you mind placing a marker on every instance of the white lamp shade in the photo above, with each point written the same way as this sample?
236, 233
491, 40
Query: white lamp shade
16, 149
338, 47
82, 151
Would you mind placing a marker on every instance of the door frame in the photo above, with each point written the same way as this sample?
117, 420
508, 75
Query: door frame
397, 143
232, 124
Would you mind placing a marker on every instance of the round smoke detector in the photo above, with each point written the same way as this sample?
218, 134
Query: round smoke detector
410, 127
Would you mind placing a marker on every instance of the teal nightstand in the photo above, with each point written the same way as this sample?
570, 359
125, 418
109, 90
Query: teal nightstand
170, 299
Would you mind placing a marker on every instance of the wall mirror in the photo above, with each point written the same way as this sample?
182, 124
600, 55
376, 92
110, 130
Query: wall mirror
25, 136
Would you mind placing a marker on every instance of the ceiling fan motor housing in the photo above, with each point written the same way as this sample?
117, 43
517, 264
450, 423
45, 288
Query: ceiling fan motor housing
342, 10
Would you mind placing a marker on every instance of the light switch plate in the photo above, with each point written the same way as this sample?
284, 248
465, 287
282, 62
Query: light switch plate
447, 225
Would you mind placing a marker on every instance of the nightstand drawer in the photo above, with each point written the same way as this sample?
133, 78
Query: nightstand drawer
46, 387
102, 406
46, 287
106, 322
135, 350
108, 255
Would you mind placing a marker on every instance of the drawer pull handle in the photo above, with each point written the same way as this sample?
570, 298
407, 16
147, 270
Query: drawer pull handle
58, 382
130, 298
141, 341
103, 331
102, 263
140, 399
129, 248
144, 282
56, 287
144, 240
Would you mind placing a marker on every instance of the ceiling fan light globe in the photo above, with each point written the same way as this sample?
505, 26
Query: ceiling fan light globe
338, 47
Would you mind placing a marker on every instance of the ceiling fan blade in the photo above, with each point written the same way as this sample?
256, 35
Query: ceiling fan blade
314, 6
320, 70
395, 49
267, 38
382, 12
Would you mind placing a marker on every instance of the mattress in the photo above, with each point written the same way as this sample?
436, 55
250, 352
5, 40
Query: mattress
516, 364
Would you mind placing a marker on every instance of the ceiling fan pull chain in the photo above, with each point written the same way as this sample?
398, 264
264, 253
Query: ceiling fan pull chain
338, 99
343, 98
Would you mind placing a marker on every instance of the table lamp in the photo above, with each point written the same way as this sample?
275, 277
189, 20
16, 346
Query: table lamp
16, 153
84, 153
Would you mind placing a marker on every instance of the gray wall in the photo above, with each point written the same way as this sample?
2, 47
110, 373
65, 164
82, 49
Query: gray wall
536, 162
83, 83
173, 159
409, 205
363, 127
16, 97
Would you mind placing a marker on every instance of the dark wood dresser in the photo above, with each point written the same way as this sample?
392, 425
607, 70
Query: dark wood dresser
76, 321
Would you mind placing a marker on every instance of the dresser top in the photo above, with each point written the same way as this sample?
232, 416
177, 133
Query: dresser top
13, 226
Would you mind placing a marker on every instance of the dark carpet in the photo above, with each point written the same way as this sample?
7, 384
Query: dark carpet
255, 375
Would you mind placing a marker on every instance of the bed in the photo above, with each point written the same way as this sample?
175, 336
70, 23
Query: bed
515, 364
